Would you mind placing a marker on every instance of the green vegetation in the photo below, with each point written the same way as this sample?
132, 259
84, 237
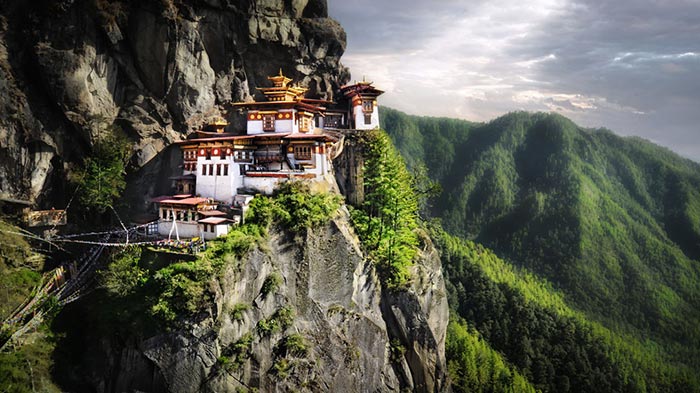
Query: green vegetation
295, 207
142, 292
282, 367
387, 220
279, 321
237, 353
293, 345
597, 223
271, 284
27, 368
238, 311
531, 324
102, 179
20, 269
396, 350
146, 292
475, 367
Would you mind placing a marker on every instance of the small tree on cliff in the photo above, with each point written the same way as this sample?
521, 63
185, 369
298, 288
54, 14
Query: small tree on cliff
101, 180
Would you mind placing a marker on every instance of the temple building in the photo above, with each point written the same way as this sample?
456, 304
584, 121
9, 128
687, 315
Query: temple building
362, 105
287, 136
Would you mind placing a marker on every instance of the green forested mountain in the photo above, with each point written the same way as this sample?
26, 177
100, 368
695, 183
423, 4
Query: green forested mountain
609, 224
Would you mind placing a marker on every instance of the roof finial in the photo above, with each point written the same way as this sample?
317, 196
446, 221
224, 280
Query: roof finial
281, 72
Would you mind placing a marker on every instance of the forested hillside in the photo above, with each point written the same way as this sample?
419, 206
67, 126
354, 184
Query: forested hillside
609, 224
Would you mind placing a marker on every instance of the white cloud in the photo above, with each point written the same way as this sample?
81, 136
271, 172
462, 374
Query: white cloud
602, 63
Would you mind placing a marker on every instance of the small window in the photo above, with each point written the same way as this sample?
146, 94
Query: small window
211, 169
218, 169
304, 123
367, 106
225, 169
368, 118
302, 152
204, 170
268, 122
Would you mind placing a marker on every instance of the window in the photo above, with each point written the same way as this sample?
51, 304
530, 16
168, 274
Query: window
211, 169
204, 170
218, 169
368, 118
269, 122
367, 106
331, 121
304, 123
302, 152
225, 169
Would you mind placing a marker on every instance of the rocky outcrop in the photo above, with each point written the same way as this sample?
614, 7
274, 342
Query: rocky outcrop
360, 338
69, 69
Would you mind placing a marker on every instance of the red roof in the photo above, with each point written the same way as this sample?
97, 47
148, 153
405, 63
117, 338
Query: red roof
214, 220
214, 139
187, 201
209, 213
310, 136
182, 196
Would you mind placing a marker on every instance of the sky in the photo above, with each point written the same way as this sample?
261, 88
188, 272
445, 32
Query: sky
632, 66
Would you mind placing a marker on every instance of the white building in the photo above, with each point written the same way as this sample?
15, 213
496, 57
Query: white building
284, 140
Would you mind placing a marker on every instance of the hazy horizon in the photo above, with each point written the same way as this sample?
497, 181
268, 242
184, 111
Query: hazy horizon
630, 66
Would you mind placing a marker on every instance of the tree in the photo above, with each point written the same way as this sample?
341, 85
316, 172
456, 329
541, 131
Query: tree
101, 180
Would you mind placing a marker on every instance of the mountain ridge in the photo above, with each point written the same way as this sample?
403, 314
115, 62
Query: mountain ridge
610, 221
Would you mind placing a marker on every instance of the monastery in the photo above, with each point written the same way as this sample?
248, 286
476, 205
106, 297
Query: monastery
288, 136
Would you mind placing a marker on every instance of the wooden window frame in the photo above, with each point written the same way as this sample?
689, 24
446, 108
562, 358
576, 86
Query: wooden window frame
303, 152
269, 122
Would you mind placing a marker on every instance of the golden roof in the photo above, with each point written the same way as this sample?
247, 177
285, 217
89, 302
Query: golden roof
280, 80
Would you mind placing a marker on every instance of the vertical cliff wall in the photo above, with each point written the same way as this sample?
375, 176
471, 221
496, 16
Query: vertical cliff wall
71, 68
358, 337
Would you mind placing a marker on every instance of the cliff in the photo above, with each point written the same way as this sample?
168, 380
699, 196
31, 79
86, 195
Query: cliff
339, 331
71, 69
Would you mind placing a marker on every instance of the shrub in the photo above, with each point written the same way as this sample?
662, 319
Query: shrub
294, 345
294, 206
280, 320
238, 311
281, 368
396, 350
271, 284
235, 354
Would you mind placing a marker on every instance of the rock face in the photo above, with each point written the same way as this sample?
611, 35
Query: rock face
360, 338
71, 68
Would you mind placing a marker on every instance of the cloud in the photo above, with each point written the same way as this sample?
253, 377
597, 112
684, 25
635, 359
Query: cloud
629, 65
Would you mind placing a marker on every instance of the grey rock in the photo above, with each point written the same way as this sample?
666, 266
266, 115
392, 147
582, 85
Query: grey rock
340, 309
69, 70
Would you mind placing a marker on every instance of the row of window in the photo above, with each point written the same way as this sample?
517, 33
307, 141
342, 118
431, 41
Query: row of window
180, 215
238, 155
221, 169
303, 152
268, 123
185, 216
